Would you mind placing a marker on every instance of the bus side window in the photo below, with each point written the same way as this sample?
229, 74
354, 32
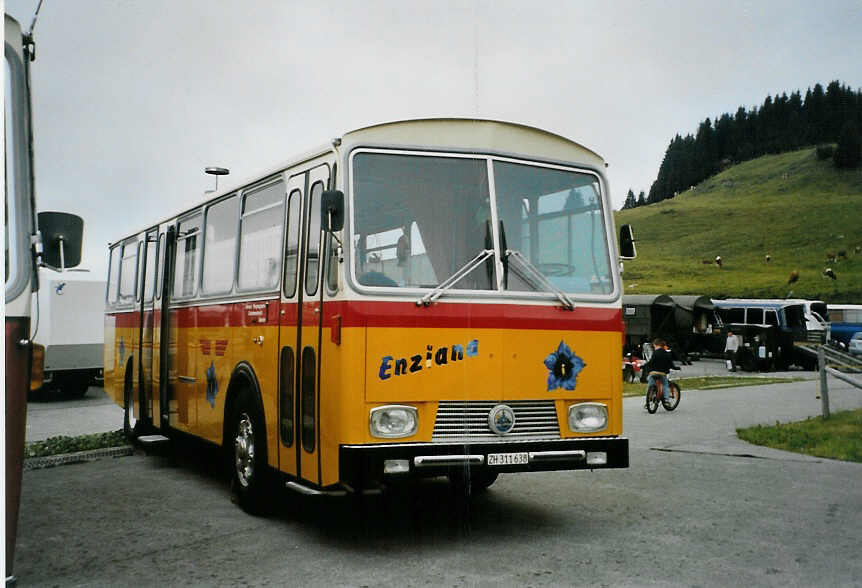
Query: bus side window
292, 254
261, 234
149, 277
771, 318
160, 267
128, 271
312, 257
331, 264
114, 274
186, 264
220, 248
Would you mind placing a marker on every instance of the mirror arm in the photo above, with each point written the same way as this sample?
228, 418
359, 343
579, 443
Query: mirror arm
329, 224
62, 253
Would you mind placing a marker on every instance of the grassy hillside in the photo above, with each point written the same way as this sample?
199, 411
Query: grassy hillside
791, 206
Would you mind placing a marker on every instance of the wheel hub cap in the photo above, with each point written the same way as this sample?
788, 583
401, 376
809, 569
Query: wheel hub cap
243, 446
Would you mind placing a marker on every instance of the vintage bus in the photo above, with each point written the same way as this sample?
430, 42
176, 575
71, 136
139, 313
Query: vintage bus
413, 299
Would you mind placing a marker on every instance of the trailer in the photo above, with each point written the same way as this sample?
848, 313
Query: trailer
69, 325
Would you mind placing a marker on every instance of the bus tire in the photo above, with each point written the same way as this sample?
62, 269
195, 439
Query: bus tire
472, 482
130, 423
483, 481
246, 449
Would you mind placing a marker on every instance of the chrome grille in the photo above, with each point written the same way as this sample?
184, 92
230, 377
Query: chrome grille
459, 420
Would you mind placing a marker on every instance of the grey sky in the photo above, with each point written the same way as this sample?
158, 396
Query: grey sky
134, 99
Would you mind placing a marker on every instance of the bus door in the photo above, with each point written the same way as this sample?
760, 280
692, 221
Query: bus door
164, 286
147, 322
183, 380
301, 326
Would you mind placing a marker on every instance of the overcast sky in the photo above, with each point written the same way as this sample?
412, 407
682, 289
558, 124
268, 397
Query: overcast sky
132, 99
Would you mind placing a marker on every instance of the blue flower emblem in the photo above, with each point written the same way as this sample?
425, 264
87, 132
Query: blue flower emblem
564, 367
212, 384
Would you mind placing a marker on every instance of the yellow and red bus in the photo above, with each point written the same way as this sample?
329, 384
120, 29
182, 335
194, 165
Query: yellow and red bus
416, 298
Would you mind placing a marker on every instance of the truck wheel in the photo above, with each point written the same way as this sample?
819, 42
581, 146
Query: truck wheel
75, 387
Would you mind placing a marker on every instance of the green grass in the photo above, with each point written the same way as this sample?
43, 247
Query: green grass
64, 444
839, 437
792, 207
709, 383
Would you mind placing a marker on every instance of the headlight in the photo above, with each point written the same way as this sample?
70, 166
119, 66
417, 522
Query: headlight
394, 421
588, 417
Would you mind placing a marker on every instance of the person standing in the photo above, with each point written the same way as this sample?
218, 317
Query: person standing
731, 349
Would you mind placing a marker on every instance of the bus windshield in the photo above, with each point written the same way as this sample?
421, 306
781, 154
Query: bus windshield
419, 218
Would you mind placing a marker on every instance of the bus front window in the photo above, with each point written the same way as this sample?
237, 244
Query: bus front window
418, 219
553, 217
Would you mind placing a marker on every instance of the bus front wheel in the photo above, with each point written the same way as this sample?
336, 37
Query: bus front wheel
247, 456
472, 482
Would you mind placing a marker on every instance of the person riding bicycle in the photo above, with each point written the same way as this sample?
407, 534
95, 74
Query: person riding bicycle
659, 366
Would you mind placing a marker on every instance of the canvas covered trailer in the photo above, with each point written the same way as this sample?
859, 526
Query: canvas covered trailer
646, 316
695, 320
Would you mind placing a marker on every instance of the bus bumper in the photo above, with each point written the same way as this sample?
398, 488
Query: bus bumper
363, 466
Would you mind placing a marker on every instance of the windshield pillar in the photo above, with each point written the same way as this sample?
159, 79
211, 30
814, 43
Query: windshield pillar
495, 227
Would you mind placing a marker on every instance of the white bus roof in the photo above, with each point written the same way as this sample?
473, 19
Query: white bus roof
457, 134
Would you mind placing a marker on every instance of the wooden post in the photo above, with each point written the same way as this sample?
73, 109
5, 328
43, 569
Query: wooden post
824, 389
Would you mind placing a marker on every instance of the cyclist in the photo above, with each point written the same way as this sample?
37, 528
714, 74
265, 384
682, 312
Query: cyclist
659, 366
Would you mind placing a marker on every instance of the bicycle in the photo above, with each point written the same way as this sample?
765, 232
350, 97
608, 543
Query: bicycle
654, 396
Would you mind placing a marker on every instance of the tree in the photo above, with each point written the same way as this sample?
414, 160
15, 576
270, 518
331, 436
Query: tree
848, 155
630, 200
641, 199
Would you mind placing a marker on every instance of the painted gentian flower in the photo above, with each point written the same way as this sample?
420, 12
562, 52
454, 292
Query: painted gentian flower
212, 384
564, 367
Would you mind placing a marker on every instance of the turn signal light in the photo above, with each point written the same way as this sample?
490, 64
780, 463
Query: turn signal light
37, 371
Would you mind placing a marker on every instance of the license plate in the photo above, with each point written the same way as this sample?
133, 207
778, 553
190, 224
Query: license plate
499, 459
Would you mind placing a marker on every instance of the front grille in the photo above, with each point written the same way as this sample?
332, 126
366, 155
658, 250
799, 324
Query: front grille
467, 420
816, 336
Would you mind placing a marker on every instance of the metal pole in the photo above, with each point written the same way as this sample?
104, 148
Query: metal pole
824, 389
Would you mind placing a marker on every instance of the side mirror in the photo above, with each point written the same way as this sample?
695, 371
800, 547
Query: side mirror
627, 243
62, 237
332, 210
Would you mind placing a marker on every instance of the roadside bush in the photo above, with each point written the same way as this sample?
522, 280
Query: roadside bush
825, 152
848, 154
64, 444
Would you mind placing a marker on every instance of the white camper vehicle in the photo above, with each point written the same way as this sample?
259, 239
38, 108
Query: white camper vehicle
69, 324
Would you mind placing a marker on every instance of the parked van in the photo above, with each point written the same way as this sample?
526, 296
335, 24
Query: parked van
844, 321
769, 329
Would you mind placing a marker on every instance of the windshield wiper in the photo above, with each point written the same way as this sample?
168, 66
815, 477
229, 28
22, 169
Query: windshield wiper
530, 273
455, 278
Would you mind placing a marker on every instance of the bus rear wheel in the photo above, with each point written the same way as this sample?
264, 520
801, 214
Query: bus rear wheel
246, 449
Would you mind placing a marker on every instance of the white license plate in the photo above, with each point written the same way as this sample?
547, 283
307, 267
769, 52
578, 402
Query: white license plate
499, 459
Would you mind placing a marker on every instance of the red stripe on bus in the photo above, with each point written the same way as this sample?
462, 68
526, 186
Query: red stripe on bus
392, 315
477, 316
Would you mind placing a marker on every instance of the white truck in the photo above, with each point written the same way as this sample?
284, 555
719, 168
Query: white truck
69, 322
